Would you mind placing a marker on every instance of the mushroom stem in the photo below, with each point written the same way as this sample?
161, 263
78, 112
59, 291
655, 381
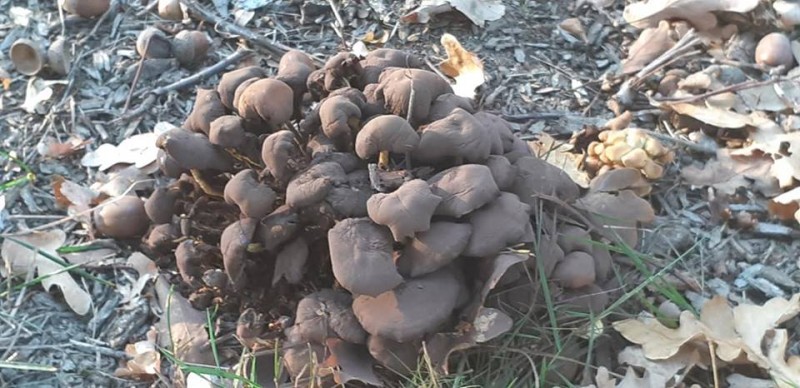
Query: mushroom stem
408, 161
383, 160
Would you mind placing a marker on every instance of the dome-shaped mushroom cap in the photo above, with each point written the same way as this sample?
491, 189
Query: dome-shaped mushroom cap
267, 99
575, 270
254, 198
503, 222
122, 217
415, 308
535, 176
446, 104
386, 133
463, 189
502, 171
361, 256
207, 108
351, 200
340, 119
227, 131
395, 85
398, 357
499, 126
434, 248
277, 228
313, 184
327, 314
378, 60
194, 151
160, 205
232, 79
277, 150
457, 135
405, 211
233, 243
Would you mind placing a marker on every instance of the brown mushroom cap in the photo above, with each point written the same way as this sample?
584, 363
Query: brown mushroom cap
446, 104
122, 217
268, 100
227, 131
207, 108
293, 69
774, 49
396, 84
535, 176
168, 165
378, 60
589, 299
463, 189
190, 48
575, 270
237, 96
86, 8
276, 152
501, 127
502, 171
277, 228
374, 104
386, 133
327, 314
232, 79
361, 256
291, 261
458, 135
302, 359
159, 46
415, 308
398, 357
162, 238
574, 238
434, 248
313, 184
194, 151
190, 255
341, 70
340, 120
405, 211
160, 206
233, 243
255, 199
347, 160
351, 200
503, 222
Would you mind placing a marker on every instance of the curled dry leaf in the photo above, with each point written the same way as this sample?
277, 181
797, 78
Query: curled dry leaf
560, 156
463, 66
479, 11
574, 27
50, 147
18, 260
717, 117
144, 359
652, 42
698, 13
728, 172
139, 150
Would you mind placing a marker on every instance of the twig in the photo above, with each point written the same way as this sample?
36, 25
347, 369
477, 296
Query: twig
111, 9
535, 116
731, 88
136, 76
338, 27
688, 144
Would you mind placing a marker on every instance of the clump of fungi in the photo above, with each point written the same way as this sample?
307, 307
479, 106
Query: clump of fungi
378, 222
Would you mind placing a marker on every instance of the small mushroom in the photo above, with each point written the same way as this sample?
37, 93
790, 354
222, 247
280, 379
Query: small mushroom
446, 104
463, 189
340, 119
266, 100
160, 206
153, 41
190, 48
170, 9
232, 79
398, 357
277, 228
233, 243
575, 270
227, 131
190, 256
58, 56
86, 8
458, 136
396, 86
27, 56
327, 314
207, 108
350, 200
413, 309
502, 171
405, 211
385, 134
291, 261
294, 69
361, 256
254, 199
374, 104
574, 238
341, 70
162, 238
503, 222
434, 248
193, 151
502, 128
277, 152
168, 165
774, 50
378, 60
121, 217
535, 176
313, 184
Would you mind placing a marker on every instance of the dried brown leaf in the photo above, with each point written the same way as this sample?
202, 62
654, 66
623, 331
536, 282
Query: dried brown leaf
697, 12
479, 11
652, 42
728, 172
714, 116
463, 66
559, 155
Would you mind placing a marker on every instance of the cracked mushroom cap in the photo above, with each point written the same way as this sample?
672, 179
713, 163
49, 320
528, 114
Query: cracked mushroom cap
313, 184
434, 248
233, 243
396, 84
340, 120
463, 189
227, 131
405, 211
207, 108
277, 228
254, 199
232, 79
398, 357
386, 133
502, 171
267, 100
535, 176
446, 104
502, 223
160, 206
458, 135
194, 151
378, 60
411, 310
327, 314
361, 256
121, 217
276, 152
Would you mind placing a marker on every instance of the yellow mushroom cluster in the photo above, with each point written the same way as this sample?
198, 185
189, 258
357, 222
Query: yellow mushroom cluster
630, 147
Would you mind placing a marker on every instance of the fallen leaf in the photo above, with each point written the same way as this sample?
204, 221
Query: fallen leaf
659, 373
479, 11
139, 150
729, 172
20, 261
714, 116
559, 155
144, 359
698, 13
37, 93
72, 196
574, 27
182, 329
121, 181
463, 66
52, 148
651, 43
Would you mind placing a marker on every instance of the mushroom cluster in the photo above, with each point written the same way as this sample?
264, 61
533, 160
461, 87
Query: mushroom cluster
393, 199
629, 147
